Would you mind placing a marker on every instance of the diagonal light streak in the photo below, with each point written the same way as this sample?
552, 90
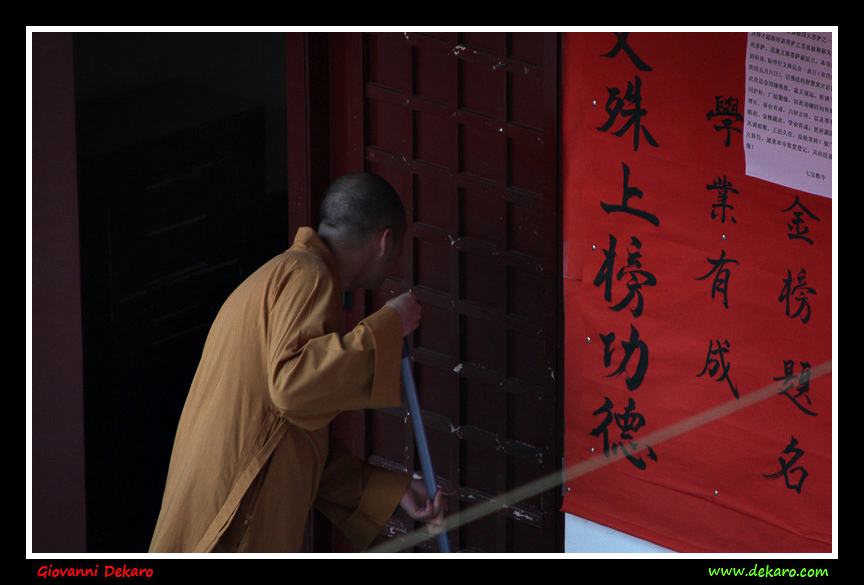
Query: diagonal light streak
586, 466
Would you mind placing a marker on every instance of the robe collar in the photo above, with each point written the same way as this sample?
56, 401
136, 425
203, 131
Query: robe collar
309, 240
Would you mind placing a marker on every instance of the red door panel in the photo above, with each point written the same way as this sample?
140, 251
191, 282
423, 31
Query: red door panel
464, 125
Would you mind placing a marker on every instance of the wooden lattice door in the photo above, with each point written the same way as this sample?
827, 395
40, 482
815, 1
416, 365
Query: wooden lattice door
464, 125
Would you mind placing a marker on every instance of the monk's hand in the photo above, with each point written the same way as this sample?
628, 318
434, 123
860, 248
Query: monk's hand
417, 504
409, 311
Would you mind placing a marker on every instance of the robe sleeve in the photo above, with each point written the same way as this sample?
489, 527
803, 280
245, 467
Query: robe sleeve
314, 373
356, 497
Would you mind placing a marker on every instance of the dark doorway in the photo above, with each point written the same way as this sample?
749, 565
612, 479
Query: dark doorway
182, 193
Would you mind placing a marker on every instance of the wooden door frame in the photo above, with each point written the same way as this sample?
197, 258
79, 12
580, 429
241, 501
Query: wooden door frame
307, 80
57, 390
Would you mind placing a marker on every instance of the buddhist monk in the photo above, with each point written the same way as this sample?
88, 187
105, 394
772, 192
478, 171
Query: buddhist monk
253, 452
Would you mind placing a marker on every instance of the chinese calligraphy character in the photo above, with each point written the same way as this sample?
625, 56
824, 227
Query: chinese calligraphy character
797, 228
800, 384
727, 108
617, 106
721, 279
716, 361
634, 285
786, 467
625, 199
622, 45
799, 292
723, 186
628, 423
638, 278
630, 347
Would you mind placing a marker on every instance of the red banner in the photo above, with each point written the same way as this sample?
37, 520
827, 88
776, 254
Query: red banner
689, 288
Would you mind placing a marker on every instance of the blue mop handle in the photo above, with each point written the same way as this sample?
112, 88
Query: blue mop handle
420, 434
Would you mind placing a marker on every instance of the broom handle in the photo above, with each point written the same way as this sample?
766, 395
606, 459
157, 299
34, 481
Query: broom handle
420, 435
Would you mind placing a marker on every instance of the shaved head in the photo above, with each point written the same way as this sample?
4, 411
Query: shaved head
358, 206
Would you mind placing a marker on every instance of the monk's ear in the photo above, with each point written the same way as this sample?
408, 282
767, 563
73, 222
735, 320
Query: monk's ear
386, 241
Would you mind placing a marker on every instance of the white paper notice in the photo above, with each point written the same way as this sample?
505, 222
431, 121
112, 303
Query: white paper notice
787, 137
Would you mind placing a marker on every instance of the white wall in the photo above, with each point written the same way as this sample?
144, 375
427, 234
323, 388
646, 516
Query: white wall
584, 536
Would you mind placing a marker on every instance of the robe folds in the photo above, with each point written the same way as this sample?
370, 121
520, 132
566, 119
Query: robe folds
252, 452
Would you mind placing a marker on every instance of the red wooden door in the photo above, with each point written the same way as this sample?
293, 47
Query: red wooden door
464, 125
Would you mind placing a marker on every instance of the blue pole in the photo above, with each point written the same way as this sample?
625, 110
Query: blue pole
420, 435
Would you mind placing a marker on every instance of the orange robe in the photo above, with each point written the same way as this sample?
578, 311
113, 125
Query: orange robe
253, 452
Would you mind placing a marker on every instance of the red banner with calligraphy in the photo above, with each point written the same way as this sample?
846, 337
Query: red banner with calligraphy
698, 306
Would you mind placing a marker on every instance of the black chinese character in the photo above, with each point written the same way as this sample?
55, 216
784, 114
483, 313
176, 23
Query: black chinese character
797, 229
799, 292
622, 44
721, 279
638, 278
799, 384
786, 467
727, 108
629, 422
715, 363
625, 201
723, 186
617, 106
634, 381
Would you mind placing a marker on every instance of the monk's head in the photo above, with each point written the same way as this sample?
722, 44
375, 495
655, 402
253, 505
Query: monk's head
363, 224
